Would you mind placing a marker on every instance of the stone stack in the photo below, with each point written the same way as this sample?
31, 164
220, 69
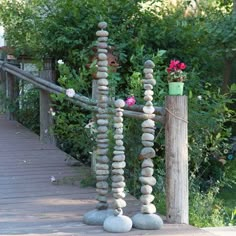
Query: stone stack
147, 219
118, 223
102, 167
98, 216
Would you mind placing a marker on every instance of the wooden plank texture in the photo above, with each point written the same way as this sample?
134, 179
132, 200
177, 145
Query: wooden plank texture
176, 143
31, 205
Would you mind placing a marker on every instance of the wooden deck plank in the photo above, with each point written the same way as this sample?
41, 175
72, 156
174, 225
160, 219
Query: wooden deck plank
31, 205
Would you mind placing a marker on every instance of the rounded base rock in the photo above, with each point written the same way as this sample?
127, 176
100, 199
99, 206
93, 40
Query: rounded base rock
117, 224
97, 217
147, 221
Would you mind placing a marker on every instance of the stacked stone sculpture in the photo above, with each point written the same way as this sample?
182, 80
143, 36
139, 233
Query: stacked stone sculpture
97, 217
118, 223
147, 219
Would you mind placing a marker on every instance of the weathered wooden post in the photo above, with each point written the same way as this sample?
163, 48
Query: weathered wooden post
176, 143
10, 84
2, 90
46, 120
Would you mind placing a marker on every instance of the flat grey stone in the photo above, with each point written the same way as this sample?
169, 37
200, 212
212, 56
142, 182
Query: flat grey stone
148, 180
118, 136
118, 184
102, 45
147, 171
102, 184
102, 50
102, 63
146, 189
119, 158
147, 163
102, 145
101, 151
147, 221
147, 199
102, 177
147, 71
148, 98
102, 191
102, 81
103, 25
147, 152
102, 68
102, 56
102, 39
148, 109
119, 203
102, 129
102, 122
119, 113
102, 166
117, 224
117, 190
148, 124
148, 92
102, 159
118, 125
102, 33
149, 76
97, 217
118, 119
149, 64
118, 171
119, 148
119, 131
119, 142
102, 172
119, 103
149, 81
147, 144
119, 164
148, 209
119, 195
150, 130
147, 137
102, 136
117, 178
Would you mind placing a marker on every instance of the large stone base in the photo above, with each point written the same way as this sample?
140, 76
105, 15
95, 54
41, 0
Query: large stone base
97, 217
147, 221
117, 224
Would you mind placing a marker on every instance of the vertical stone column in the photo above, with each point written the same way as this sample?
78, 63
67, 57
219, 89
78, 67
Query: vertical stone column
97, 216
118, 223
147, 219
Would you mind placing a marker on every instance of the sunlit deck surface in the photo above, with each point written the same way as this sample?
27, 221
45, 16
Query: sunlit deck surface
30, 204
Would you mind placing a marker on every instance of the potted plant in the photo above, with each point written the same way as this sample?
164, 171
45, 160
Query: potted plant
176, 77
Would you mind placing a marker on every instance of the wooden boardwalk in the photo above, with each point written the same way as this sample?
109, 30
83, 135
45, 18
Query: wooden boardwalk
31, 205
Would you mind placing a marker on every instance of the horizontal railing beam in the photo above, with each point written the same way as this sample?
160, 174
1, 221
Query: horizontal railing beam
135, 111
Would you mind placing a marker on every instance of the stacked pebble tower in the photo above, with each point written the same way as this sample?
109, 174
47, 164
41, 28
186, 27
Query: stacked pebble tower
147, 219
98, 216
118, 223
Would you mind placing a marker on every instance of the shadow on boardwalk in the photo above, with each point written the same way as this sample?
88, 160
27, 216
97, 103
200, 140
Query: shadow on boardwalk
31, 205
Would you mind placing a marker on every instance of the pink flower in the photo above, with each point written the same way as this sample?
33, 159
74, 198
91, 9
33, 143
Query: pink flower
70, 92
130, 101
181, 66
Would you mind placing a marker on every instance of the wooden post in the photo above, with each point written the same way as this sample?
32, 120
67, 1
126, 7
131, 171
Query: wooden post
10, 83
2, 91
46, 120
176, 143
